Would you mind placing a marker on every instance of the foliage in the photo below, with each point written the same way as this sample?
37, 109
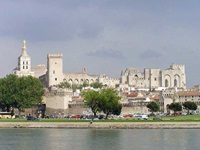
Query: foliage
190, 105
20, 92
29, 92
64, 85
96, 85
175, 107
153, 106
8, 87
73, 86
92, 99
106, 100
109, 103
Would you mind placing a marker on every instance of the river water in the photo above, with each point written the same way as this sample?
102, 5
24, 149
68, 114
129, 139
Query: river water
89, 139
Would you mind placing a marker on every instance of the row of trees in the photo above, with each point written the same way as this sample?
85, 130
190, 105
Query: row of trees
20, 92
186, 105
154, 107
105, 100
75, 86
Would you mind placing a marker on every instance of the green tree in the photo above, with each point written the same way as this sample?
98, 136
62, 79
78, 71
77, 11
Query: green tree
64, 85
92, 99
190, 106
175, 107
153, 106
8, 87
29, 92
110, 103
85, 84
96, 85
20, 92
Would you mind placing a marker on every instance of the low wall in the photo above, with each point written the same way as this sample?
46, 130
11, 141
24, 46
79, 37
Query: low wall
102, 125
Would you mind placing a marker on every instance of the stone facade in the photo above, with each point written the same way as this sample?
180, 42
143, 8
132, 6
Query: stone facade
55, 74
154, 78
172, 95
57, 101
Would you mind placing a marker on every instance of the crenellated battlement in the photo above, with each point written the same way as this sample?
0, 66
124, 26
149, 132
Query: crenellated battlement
55, 55
175, 66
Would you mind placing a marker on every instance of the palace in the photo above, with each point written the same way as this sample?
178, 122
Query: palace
155, 78
174, 76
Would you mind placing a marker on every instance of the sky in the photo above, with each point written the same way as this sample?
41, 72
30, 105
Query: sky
105, 36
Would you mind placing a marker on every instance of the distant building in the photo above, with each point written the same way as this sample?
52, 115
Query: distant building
154, 78
169, 96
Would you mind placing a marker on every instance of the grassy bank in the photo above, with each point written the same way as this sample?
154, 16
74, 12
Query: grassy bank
187, 118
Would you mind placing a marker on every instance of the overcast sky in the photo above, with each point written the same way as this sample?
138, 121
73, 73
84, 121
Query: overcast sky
106, 36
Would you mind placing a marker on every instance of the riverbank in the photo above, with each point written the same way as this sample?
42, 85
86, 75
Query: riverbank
103, 125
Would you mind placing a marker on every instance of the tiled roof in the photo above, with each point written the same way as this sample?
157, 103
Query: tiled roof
188, 93
132, 94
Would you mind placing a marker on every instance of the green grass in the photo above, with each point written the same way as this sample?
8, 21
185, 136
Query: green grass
187, 118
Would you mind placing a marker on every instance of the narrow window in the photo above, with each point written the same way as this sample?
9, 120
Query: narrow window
155, 79
175, 82
26, 67
166, 83
53, 71
55, 79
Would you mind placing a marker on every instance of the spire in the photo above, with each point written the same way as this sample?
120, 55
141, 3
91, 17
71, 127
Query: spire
24, 51
24, 43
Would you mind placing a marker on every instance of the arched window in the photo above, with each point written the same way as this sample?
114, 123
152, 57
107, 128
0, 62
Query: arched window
87, 81
76, 81
70, 81
81, 81
175, 82
166, 83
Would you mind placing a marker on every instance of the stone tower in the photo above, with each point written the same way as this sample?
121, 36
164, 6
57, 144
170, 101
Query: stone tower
54, 69
24, 63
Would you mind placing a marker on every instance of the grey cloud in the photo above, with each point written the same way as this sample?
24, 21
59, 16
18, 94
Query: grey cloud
148, 54
107, 54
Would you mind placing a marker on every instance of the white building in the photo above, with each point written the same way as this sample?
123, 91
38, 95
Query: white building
154, 78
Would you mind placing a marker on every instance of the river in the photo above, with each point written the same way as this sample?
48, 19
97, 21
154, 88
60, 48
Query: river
89, 139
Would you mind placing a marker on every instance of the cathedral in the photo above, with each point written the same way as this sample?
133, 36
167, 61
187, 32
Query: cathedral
174, 76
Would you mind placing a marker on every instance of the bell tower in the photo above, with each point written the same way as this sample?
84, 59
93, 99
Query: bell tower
24, 63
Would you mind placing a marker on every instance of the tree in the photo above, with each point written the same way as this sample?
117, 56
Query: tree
190, 106
29, 92
8, 87
175, 107
20, 92
96, 85
109, 103
92, 99
153, 106
64, 85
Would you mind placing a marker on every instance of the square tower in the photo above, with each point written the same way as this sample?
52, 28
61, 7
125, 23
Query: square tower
54, 69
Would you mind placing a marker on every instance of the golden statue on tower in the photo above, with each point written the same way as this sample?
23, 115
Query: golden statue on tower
24, 43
